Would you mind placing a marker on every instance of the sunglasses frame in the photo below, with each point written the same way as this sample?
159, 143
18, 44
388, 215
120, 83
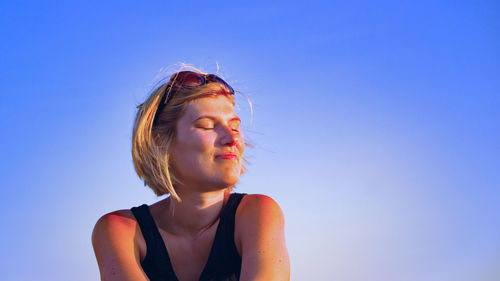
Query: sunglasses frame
177, 81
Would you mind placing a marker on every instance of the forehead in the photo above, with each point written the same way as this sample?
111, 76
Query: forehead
219, 106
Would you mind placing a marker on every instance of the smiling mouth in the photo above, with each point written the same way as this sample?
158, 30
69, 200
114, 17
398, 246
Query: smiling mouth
227, 157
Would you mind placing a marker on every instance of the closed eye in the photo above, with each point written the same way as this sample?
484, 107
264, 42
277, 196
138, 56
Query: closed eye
205, 124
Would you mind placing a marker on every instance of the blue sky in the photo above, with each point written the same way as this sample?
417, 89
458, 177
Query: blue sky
376, 127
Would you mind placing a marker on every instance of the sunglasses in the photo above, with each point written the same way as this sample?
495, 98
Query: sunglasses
187, 80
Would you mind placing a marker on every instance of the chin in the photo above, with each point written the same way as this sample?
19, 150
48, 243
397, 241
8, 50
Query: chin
228, 180
230, 175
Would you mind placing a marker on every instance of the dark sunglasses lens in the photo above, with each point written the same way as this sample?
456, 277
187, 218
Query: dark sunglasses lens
217, 79
188, 79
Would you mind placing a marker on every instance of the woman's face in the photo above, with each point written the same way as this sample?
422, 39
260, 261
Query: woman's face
206, 152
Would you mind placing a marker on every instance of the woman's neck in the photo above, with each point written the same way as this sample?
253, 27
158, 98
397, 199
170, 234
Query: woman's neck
195, 213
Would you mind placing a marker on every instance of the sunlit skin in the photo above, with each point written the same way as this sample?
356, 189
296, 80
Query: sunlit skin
206, 153
206, 157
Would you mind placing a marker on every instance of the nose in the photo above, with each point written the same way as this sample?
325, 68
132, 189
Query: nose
229, 136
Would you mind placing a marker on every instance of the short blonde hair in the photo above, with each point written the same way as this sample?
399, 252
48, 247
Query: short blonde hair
153, 135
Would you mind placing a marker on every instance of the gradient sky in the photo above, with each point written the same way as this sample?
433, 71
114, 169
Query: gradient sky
376, 127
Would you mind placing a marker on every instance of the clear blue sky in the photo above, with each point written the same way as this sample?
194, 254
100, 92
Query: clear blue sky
376, 127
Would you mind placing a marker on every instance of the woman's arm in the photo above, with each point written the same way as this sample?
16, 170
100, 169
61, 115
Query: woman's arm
260, 233
114, 244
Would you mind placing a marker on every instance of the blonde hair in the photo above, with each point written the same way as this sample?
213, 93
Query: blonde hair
153, 135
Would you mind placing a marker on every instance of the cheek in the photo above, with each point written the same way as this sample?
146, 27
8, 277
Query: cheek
194, 146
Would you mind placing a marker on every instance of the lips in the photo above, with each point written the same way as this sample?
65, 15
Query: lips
227, 156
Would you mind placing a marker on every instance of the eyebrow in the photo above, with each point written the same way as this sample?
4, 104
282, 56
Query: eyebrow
236, 118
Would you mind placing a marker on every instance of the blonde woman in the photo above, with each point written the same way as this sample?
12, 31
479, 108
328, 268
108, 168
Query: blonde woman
187, 143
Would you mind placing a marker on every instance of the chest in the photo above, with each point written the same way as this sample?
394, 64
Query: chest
189, 255
213, 254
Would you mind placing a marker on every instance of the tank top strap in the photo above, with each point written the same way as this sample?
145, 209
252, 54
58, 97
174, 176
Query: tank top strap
229, 213
224, 262
156, 264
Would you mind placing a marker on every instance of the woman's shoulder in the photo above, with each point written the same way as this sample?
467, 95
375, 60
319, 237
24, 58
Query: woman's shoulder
260, 239
121, 219
116, 234
257, 203
116, 224
117, 246
258, 210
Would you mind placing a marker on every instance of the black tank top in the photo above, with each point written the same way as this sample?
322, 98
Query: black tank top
224, 262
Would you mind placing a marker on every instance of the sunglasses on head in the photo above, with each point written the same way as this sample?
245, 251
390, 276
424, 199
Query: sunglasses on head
187, 80
191, 80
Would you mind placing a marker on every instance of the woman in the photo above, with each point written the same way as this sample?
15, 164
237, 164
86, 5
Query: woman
187, 143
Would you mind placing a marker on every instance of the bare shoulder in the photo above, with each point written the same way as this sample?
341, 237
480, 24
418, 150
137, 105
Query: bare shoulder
257, 213
260, 239
121, 222
114, 231
117, 246
258, 207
